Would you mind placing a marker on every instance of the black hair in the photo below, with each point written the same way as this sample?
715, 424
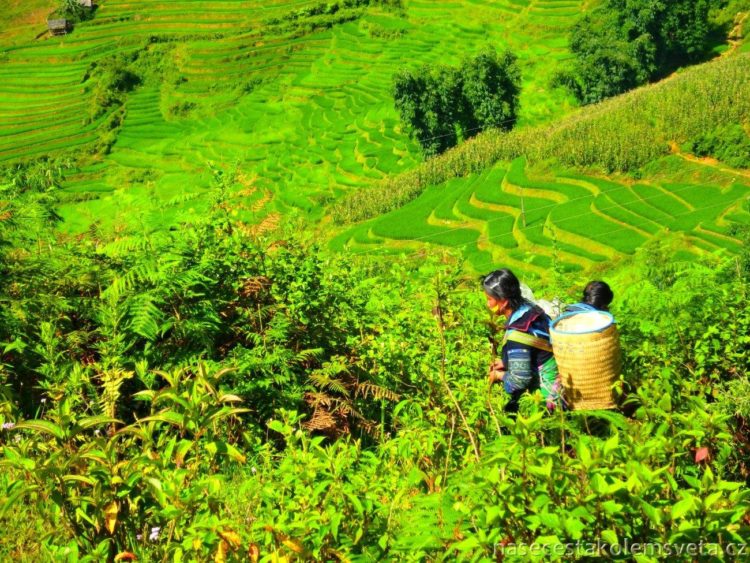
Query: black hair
503, 284
598, 294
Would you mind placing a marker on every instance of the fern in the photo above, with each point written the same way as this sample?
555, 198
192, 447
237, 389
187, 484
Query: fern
377, 392
145, 317
124, 246
111, 381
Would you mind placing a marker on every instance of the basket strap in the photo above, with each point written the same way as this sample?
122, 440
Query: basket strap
528, 339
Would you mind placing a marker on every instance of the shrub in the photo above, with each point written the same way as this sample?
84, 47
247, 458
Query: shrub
729, 143
621, 44
443, 105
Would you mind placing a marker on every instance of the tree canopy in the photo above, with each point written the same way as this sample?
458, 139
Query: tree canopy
626, 43
443, 105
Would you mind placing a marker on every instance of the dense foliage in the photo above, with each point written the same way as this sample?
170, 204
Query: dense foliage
204, 391
443, 105
201, 393
729, 144
623, 44
74, 11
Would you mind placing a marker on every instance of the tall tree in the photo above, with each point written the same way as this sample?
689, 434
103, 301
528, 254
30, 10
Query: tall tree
491, 89
443, 105
625, 43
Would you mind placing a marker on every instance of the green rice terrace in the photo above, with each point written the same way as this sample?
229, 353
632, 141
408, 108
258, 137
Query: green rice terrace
301, 109
509, 214
308, 115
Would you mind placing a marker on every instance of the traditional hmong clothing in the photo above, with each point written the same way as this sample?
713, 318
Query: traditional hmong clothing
528, 359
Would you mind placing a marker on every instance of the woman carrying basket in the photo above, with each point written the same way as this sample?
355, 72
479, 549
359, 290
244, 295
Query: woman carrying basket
526, 361
597, 296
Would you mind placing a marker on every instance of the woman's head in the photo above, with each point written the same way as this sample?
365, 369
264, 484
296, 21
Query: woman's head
598, 294
503, 291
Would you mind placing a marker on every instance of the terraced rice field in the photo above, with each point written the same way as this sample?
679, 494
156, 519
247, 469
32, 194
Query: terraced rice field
528, 220
305, 117
311, 116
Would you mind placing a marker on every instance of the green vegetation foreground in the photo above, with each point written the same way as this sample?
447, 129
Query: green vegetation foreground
197, 394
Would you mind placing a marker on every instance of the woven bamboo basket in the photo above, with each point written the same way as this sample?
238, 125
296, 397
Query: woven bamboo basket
587, 349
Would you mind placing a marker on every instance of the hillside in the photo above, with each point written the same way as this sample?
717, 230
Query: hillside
569, 220
600, 184
240, 317
302, 107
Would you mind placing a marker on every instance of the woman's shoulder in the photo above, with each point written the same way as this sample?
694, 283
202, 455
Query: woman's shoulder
534, 317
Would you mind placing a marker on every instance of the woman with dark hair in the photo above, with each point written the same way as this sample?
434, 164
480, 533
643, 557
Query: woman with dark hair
597, 296
526, 361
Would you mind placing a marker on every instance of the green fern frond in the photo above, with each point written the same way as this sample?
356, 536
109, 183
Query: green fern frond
377, 392
305, 356
145, 317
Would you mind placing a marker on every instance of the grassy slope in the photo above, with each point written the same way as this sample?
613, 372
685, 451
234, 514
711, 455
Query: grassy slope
23, 20
321, 122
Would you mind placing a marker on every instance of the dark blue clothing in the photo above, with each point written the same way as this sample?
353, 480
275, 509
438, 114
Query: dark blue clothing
522, 361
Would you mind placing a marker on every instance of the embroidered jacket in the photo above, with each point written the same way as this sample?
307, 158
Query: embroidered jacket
527, 356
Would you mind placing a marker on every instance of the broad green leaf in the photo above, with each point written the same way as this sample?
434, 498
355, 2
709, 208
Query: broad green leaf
610, 536
575, 528
229, 398
612, 507
665, 403
182, 449
17, 490
92, 421
611, 444
43, 426
335, 521
728, 486
683, 507
542, 470
235, 454
492, 514
276, 426
551, 521
468, 544
599, 484
227, 412
171, 396
79, 478
584, 454
156, 489
146, 395
95, 455
711, 499
81, 515
547, 540
652, 513
355, 502
170, 417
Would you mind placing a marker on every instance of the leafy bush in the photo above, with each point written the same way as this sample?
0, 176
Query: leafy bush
115, 78
112, 486
202, 393
442, 105
621, 44
730, 144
